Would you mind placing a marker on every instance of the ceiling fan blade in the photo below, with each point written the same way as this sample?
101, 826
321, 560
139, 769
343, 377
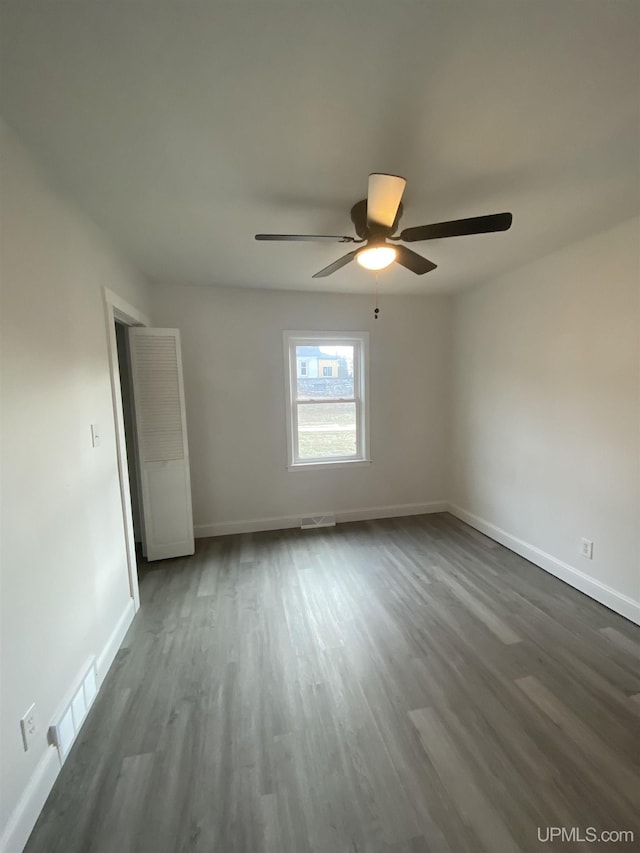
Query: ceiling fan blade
413, 261
341, 262
306, 238
458, 227
383, 198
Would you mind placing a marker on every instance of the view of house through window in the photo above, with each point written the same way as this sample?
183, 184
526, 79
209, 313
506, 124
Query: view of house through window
326, 399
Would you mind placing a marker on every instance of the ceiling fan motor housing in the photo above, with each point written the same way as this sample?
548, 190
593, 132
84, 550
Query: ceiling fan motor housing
371, 231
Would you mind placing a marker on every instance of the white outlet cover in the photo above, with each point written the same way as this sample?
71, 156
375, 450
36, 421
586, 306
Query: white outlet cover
28, 726
586, 548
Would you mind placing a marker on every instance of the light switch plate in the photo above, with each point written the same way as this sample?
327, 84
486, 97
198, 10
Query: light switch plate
96, 435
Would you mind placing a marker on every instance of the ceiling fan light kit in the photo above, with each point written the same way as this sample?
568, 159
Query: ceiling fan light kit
376, 220
376, 257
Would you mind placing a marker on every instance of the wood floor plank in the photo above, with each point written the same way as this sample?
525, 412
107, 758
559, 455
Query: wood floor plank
488, 618
392, 686
471, 804
621, 776
626, 643
123, 820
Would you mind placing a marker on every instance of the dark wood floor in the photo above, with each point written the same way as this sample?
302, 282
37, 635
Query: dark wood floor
400, 686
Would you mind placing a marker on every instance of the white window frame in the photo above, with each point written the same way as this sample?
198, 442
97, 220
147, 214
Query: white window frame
360, 343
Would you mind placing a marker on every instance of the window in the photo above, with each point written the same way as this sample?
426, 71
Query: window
327, 410
303, 368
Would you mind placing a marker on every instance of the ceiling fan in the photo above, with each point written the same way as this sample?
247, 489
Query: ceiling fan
376, 218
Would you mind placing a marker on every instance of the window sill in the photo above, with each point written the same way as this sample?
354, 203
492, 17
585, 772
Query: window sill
319, 466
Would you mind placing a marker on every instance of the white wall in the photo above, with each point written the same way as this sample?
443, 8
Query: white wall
234, 386
63, 562
546, 410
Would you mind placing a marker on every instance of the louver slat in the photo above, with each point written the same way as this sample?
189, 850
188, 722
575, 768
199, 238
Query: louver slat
158, 403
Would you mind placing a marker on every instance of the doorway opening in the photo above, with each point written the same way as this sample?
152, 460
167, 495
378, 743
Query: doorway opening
128, 418
119, 313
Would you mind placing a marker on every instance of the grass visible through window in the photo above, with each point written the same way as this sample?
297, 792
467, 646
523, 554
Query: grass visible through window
327, 429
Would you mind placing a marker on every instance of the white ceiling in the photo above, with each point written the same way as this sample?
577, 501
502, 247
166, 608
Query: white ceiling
184, 128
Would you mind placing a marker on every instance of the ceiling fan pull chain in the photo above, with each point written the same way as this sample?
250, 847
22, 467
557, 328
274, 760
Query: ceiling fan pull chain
376, 310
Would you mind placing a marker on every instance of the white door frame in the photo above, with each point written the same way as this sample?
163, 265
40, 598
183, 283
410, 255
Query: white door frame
117, 308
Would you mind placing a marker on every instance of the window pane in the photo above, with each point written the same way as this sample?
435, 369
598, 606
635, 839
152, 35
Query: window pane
326, 430
324, 371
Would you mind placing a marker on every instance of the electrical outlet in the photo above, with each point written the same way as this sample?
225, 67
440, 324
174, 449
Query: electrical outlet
29, 726
586, 548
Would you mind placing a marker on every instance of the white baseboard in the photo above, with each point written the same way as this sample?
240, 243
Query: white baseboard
34, 796
24, 816
256, 525
283, 522
397, 511
108, 653
595, 589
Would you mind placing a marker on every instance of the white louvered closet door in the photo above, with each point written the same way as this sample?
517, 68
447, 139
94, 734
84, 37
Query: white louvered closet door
163, 453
